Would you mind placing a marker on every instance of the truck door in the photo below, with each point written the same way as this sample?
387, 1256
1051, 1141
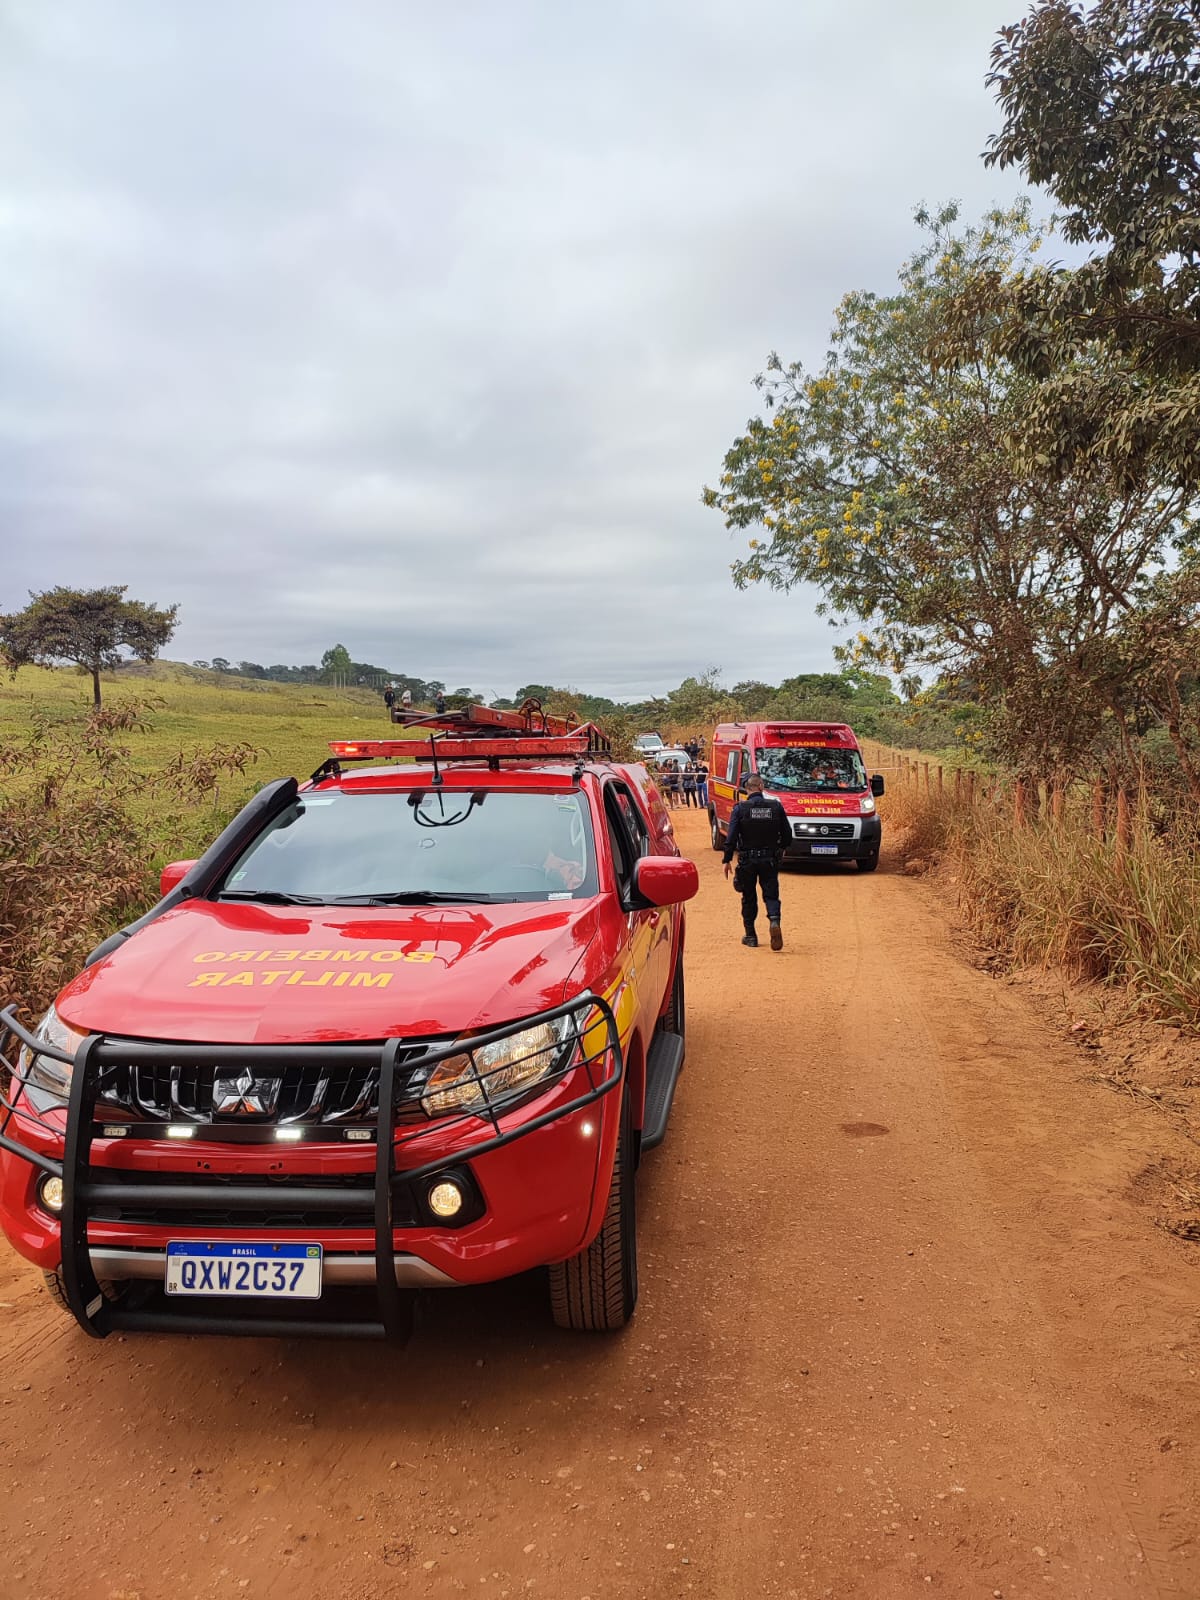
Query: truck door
629, 840
722, 783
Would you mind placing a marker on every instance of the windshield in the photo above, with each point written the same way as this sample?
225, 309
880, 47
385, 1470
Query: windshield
812, 771
420, 846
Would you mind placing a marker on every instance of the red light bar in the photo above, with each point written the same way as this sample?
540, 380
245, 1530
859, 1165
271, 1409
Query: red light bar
447, 748
383, 749
811, 735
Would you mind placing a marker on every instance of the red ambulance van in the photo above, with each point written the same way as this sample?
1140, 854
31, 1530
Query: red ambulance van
815, 769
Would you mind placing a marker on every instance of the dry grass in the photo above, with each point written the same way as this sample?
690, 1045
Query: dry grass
1052, 894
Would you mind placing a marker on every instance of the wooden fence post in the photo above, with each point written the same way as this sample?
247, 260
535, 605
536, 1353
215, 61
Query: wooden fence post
958, 786
971, 788
925, 765
1124, 828
1098, 809
1020, 804
941, 783
1056, 805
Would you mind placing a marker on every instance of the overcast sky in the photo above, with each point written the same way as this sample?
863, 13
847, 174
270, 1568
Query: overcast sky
420, 327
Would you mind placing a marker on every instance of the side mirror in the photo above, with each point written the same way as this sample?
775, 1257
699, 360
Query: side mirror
174, 872
877, 784
665, 880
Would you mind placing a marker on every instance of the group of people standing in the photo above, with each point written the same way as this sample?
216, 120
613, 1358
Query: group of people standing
684, 785
405, 700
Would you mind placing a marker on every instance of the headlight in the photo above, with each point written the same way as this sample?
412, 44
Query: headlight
486, 1076
868, 804
43, 1072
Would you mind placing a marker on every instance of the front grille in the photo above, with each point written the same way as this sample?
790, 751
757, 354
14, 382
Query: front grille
139, 1208
823, 830
328, 1092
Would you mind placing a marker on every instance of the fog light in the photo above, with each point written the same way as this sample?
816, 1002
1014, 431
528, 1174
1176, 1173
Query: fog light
50, 1193
445, 1199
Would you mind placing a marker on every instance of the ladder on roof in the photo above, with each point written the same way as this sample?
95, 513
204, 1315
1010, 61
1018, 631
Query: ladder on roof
477, 733
528, 719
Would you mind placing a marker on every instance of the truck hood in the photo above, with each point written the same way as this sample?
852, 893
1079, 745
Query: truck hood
242, 974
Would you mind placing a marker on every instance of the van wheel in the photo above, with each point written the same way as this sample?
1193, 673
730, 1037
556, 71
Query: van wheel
867, 863
718, 838
57, 1290
596, 1291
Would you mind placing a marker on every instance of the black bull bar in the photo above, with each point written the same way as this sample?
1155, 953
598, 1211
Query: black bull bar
590, 1046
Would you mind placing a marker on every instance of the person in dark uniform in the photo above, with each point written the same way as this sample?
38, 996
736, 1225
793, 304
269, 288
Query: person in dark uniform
758, 833
389, 699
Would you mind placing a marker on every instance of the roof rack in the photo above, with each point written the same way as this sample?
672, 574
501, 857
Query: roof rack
529, 718
480, 734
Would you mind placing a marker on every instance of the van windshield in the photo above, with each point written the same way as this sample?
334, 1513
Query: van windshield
812, 771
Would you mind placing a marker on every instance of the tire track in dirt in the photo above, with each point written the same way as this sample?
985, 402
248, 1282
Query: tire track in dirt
944, 1358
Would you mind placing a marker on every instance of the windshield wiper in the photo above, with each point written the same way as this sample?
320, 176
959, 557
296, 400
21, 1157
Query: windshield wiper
273, 897
415, 897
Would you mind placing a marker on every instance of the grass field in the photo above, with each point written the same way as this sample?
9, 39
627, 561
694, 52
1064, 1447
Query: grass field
289, 725
90, 812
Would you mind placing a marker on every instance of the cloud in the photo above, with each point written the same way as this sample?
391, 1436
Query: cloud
420, 328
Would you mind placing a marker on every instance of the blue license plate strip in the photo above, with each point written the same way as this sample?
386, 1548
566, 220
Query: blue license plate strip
250, 1271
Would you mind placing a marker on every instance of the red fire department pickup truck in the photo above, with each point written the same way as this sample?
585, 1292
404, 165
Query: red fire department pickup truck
815, 769
401, 1026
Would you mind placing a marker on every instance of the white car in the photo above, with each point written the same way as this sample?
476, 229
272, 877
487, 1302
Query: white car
670, 756
647, 743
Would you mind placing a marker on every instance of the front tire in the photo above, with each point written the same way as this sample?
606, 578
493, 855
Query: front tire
596, 1291
867, 863
56, 1289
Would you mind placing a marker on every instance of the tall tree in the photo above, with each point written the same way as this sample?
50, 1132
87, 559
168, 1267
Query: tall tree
336, 664
1102, 107
888, 480
94, 628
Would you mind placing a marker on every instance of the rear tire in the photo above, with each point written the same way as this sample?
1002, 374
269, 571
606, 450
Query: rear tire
867, 863
718, 838
596, 1291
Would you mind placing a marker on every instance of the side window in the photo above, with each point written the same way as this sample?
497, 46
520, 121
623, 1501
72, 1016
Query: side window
634, 820
745, 771
620, 840
731, 767
660, 818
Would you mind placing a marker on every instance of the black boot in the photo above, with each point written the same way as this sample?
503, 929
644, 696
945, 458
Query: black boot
776, 934
751, 938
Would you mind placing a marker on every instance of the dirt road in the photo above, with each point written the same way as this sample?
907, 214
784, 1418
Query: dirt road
905, 1329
